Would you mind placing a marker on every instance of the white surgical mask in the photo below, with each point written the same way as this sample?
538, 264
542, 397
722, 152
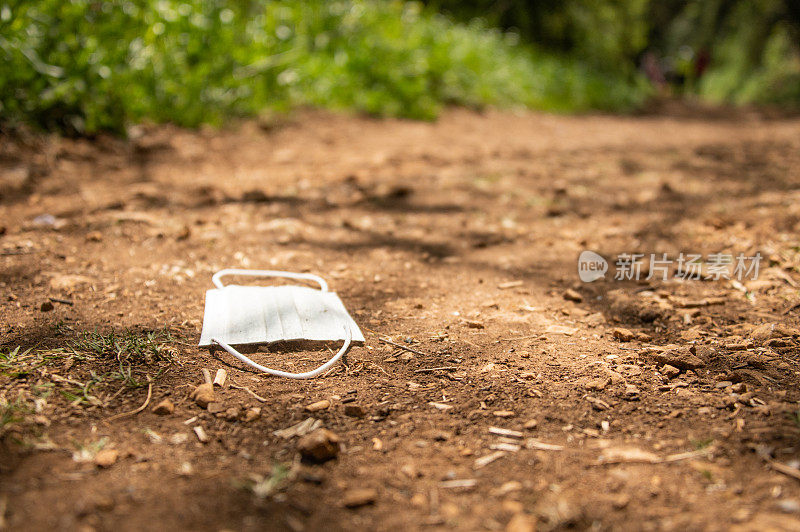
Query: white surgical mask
241, 315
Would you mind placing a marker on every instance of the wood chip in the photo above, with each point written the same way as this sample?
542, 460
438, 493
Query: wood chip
505, 432
220, 377
502, 446
466, 483
510, 284
483, 461
597, 404
785, 469
299, 429
531, 443
440, 406
618, 455
201, 434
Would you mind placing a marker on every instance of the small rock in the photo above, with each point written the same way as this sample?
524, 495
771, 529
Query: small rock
319, 405
252, 414
233, 413
353, 410
762, 333
670, 371
356, 498
104, 503
215, 407
679, 358
47, 306
164, 408
503, 413
598, 384
572, 295
410, 471
623, 335
530, 424
472, 324
442, 435
203, 395
106, 457
94, 236
631, 392
319, 446
521, 523
620, 501
789, 506
597, 404
739, 387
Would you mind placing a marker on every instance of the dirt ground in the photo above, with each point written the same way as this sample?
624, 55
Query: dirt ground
633, 405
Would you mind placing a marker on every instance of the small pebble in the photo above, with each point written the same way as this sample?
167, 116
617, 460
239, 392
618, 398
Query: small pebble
319, 405
252, 414
573, 295
203, 395
164, 408
319, 446
106, 458
356, 498
623, 335
530, 424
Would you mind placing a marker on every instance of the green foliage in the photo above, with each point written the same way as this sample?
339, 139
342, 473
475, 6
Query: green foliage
757, 58
86, 66
752, 45
129, 346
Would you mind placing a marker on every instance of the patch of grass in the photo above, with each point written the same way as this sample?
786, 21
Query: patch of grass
85, 66
12, 363
265, 485
794, 417
11, 412
701, 443
129, 348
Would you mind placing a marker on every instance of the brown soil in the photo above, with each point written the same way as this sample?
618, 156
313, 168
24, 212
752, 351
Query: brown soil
458, 239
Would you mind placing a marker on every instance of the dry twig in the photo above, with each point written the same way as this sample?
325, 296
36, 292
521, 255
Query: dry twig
403, 347
248, 390
134, 412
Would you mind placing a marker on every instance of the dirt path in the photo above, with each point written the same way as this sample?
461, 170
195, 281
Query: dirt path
458, 239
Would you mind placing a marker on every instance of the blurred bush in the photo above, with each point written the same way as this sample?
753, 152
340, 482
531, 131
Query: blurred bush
84, 65
89, 65
725, 51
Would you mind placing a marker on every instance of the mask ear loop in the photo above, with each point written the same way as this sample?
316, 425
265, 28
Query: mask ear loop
278, 373
217, 277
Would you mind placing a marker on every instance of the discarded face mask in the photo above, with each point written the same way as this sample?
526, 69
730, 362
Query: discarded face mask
241, 315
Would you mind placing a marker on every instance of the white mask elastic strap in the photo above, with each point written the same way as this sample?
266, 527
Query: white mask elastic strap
216, 279
278, 373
